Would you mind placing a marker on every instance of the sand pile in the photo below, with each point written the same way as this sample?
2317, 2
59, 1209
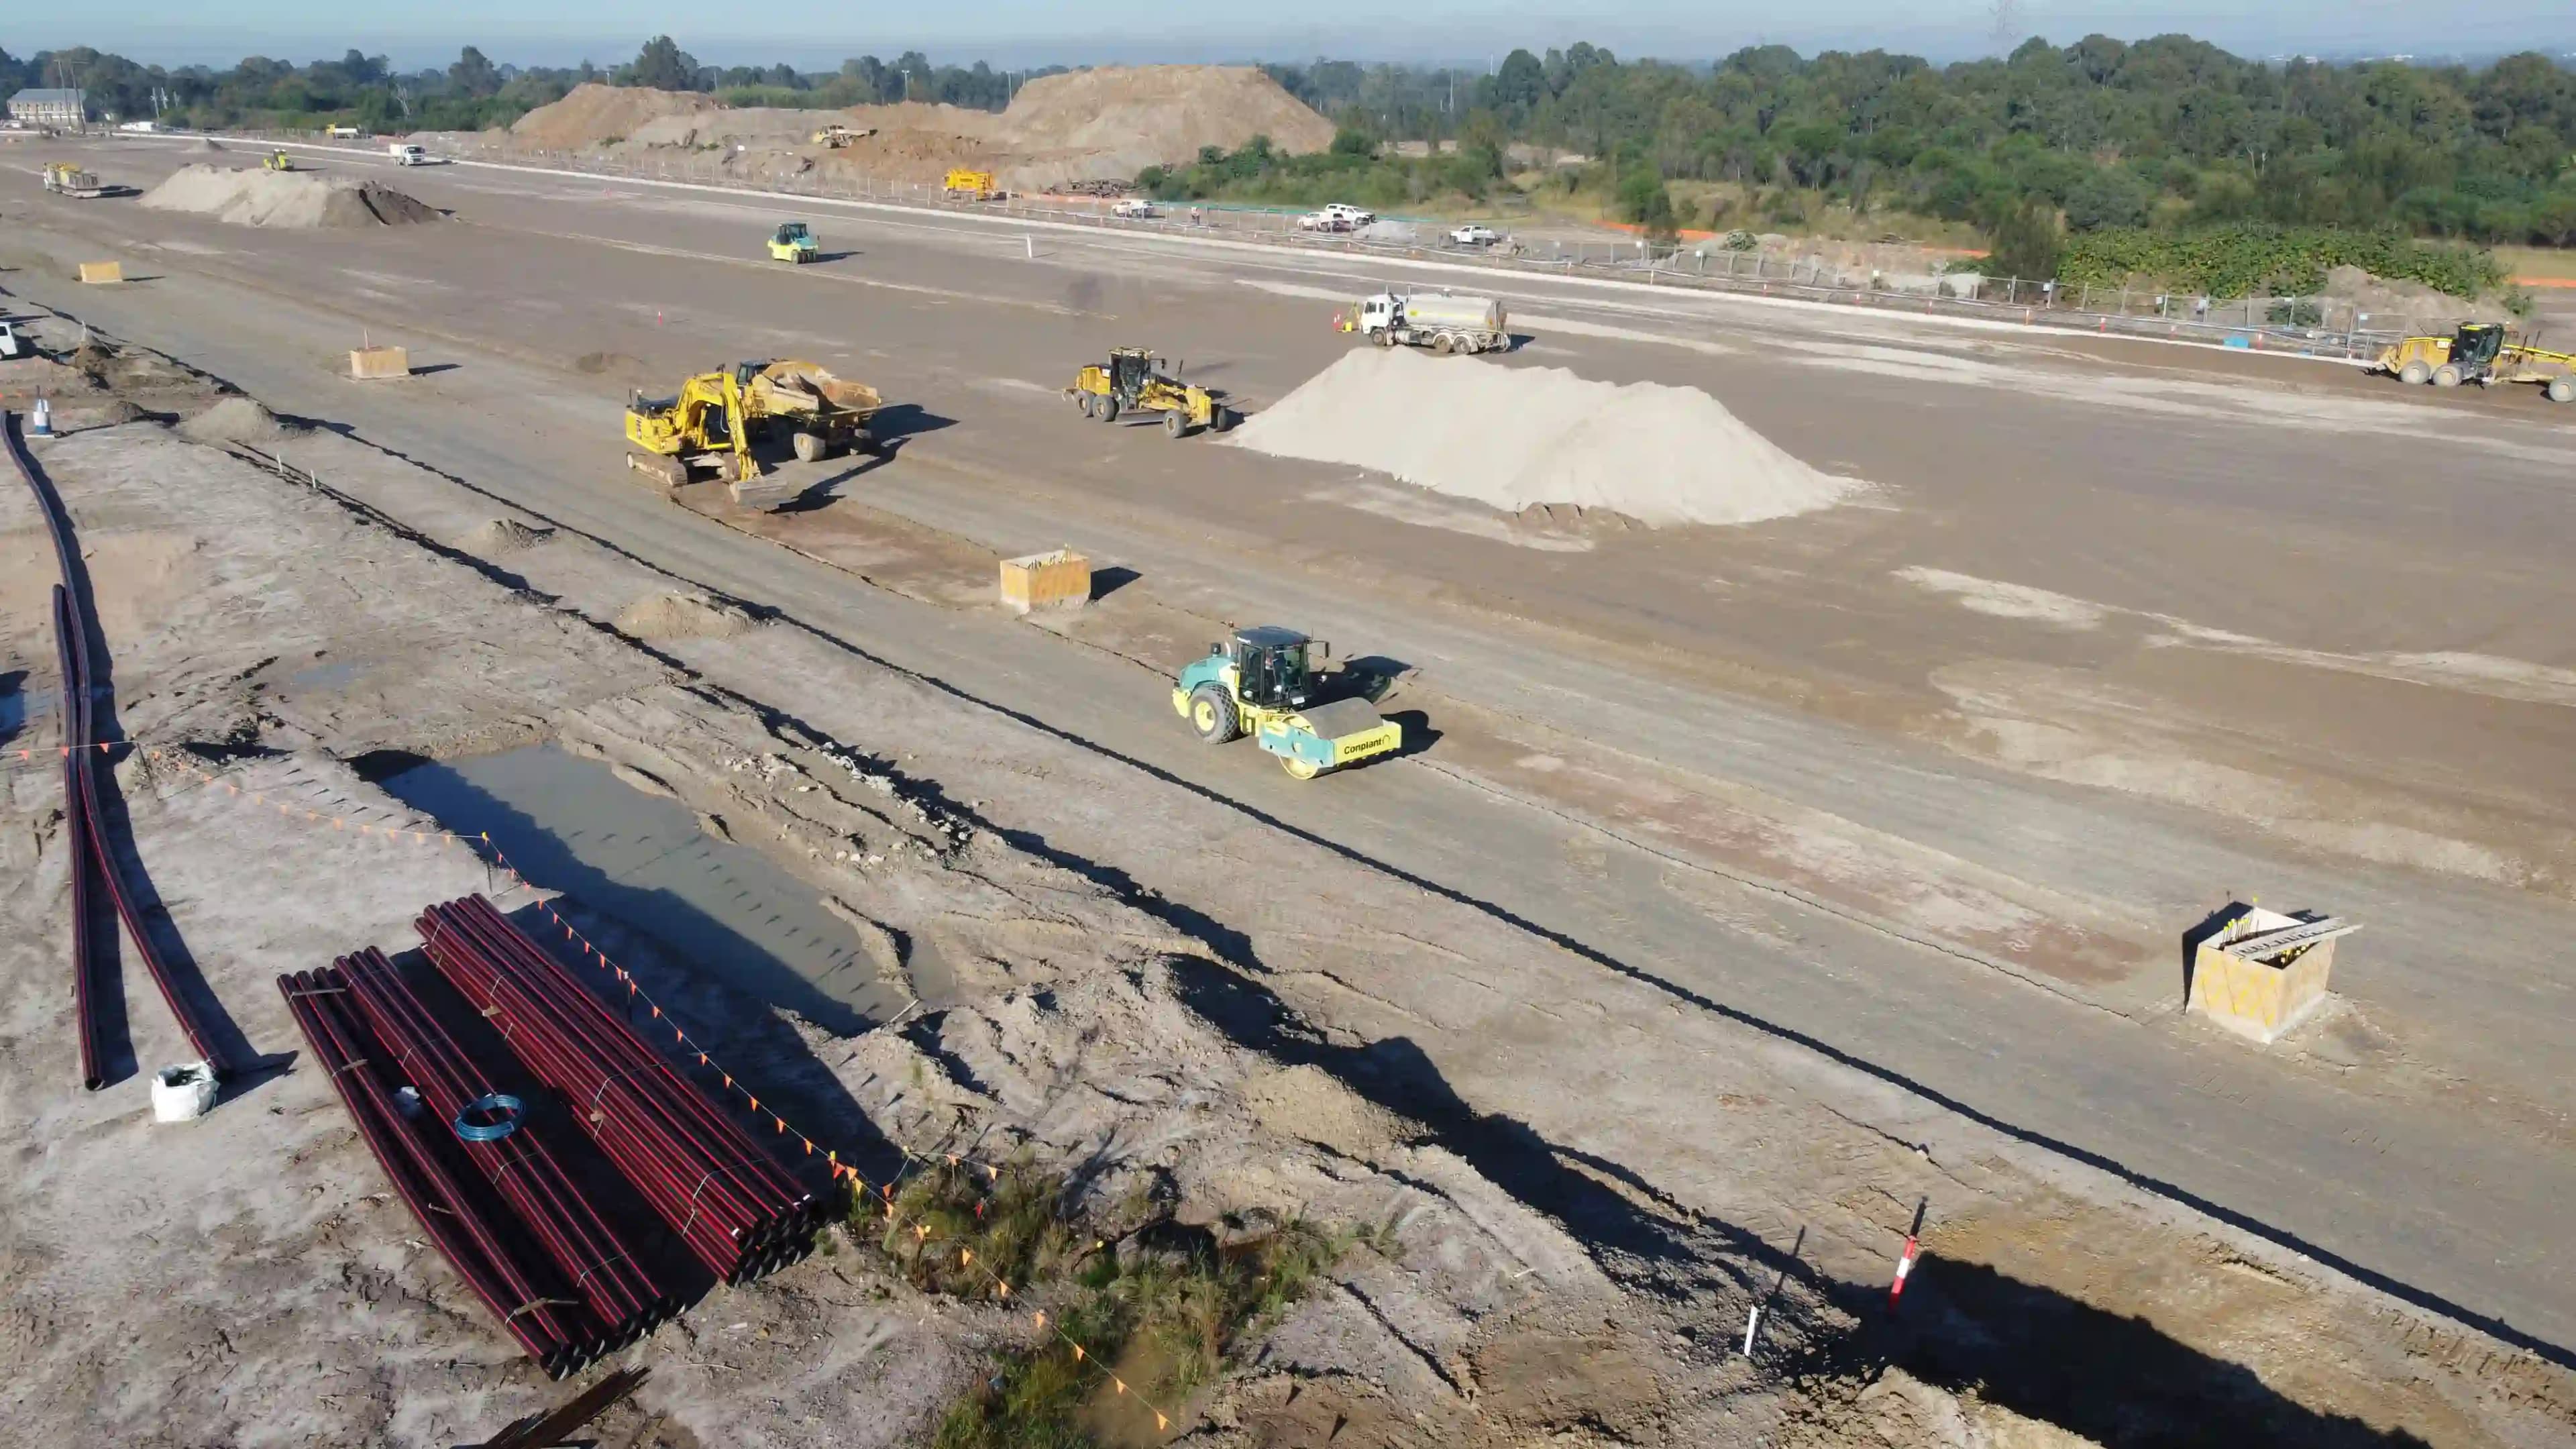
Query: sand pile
682, 616
595, 114
1118, 121
296, 199
234, 420
1511, 437
505, 535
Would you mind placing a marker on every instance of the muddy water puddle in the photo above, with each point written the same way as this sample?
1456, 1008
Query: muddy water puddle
569, 824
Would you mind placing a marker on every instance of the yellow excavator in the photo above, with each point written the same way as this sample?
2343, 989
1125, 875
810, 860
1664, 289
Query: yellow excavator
726, 421
277, 161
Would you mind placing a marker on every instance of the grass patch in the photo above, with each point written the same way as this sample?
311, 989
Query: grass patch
1165, 1323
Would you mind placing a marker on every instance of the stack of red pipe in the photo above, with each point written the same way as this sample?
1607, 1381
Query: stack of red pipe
570, 1232
488, 1249
738, 1210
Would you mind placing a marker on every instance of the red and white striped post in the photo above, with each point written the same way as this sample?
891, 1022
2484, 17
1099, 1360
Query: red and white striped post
1905, 1260
1904, 1270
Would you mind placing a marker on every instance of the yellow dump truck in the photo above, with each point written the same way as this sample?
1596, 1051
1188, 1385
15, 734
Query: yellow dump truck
732, 421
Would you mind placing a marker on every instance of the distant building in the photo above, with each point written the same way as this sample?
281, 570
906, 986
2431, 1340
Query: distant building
47, 107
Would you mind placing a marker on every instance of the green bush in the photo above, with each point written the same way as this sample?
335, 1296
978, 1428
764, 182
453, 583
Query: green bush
2235, 261
2026, 243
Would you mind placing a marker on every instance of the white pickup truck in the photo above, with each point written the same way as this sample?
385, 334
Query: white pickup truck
1436, 320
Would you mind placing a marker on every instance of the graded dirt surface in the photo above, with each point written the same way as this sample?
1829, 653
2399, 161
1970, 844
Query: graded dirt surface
1920, 792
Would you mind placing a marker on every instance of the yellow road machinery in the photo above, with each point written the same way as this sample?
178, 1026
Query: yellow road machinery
733, 422
65, 179
793, 242
1131, 383
1261, 682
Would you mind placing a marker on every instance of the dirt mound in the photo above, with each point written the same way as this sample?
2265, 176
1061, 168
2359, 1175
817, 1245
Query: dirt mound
234, 420
1087, 125
1122, 119
595, 114
505, 535
298, 199
682, 616
1510, 437
2389, 300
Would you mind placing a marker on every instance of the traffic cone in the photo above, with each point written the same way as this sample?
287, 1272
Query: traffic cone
41, 422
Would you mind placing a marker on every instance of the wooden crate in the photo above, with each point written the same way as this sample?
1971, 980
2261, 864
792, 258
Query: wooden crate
367, 362
1057, 580
102, 271
2265, 972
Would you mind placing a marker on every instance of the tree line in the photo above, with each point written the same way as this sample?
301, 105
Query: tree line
2169, 134
474, 93
2166, 132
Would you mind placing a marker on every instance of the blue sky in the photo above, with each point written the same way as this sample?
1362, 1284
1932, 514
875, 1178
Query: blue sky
1022, 32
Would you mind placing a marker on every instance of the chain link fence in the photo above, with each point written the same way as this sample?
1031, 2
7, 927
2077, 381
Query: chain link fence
2311, 326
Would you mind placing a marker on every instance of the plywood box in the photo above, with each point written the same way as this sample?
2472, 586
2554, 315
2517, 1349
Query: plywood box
1057, 580
366, 362
102, 271
2265, 972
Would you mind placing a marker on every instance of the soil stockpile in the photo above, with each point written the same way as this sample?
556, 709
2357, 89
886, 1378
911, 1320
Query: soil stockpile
1086, 125
1513, 437
682, 616
234, 420
1135, 117
596, 114
297, 199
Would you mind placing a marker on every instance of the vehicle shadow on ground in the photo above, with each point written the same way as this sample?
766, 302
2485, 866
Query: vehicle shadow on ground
2107, 1378
13, 704
896, 423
